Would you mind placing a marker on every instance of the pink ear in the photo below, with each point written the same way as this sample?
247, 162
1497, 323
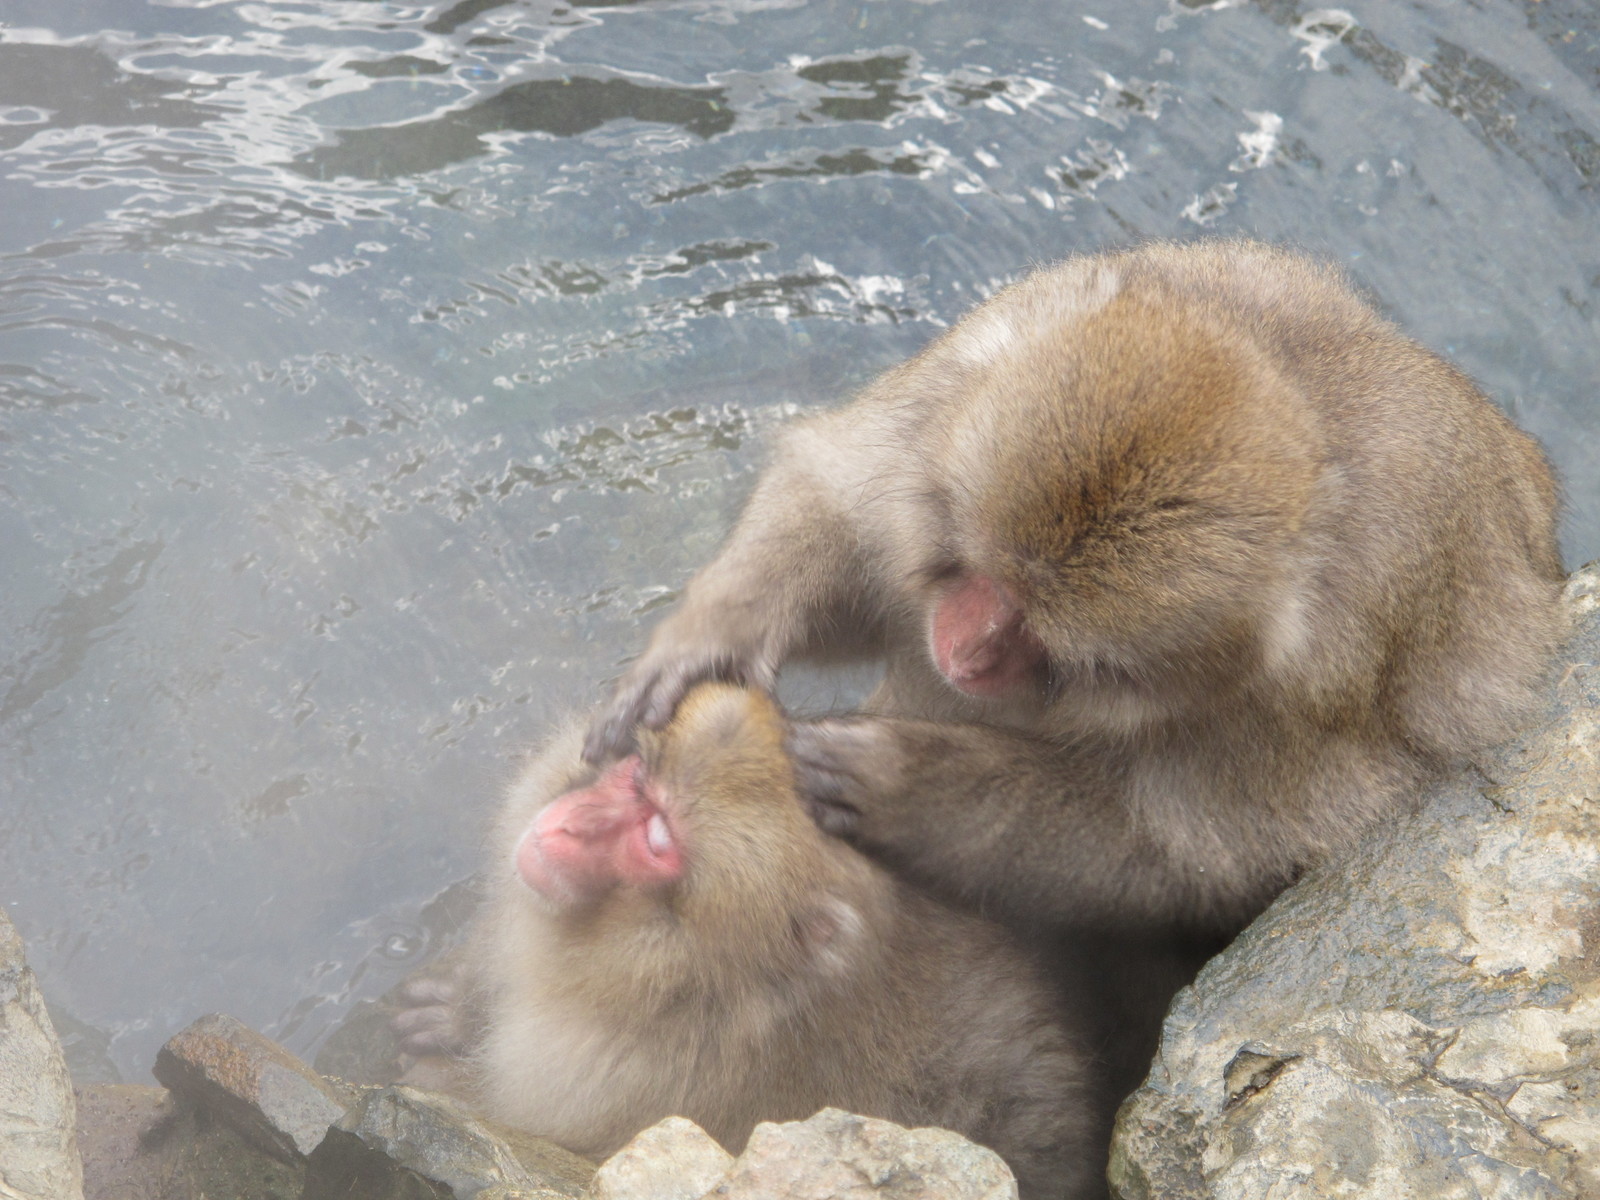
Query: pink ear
609, 834
979, 641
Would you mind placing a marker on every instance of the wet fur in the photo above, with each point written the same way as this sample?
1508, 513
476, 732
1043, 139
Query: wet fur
787, 973
1286, 564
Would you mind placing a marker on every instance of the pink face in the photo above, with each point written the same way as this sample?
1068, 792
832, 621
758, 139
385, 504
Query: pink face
609, 834
979, 641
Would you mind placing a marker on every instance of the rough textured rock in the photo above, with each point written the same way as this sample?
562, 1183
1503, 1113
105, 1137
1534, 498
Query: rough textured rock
38, 1146
672, 1160
128, 1136
142, 1143
839, 1156
1420, 1021
252, 1083
245, 1118
403, 1142
552, 1168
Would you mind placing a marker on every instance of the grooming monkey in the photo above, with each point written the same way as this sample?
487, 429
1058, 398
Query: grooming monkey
1185, 568
674, 935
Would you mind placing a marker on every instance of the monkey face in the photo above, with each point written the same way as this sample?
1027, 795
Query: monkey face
1131, 514
979, 639
723, 774
591, 840
695, 847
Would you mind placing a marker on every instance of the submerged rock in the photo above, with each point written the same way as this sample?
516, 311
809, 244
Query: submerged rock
38, 1144
144, 1143
1421, 1020
130, 1137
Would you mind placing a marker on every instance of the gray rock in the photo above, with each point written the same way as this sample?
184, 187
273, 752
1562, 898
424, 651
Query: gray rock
129, 1137
244, 1117
38, 1145
839, 1156
253, 1084
1422, 1020
553, 1168
672, 1160
403, 1142
143, 1143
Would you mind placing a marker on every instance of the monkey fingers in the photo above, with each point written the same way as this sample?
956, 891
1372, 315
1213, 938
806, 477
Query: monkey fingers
430, 1020
649, 693
611, 734
822, 791
846, 769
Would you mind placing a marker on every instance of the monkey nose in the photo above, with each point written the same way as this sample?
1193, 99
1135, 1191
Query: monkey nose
590, 822
599, 811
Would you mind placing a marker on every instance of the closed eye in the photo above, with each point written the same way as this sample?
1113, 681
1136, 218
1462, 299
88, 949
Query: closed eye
940, 569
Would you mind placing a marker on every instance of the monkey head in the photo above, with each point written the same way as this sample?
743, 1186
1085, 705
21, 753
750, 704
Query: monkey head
696, 845
608, 834
1119, 521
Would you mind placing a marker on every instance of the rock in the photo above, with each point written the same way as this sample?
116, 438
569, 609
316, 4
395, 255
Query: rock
363, 1048
555, 1169
401, 1142
130, 1136
253, 1084
1421, 1020
38, 1145
672, 1160
207, 1139
839, 1156
141, 1143
246, 1118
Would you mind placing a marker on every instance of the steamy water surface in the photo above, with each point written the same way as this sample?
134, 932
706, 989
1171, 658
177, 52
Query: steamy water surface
370, 372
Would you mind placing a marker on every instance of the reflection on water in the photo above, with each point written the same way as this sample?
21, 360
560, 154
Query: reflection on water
369, 372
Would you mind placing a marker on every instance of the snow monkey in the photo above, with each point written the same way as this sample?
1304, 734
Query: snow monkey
1184, 565
674, 935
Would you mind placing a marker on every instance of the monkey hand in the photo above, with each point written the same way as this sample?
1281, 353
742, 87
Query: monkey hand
433, 1011
687, 649
850, 771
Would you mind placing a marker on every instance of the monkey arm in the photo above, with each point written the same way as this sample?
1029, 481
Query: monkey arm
795, 577
1021, 827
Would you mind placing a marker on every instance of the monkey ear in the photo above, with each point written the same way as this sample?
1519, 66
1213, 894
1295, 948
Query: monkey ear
830, 932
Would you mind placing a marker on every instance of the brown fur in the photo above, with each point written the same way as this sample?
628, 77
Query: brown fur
1285, 563
783, 973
